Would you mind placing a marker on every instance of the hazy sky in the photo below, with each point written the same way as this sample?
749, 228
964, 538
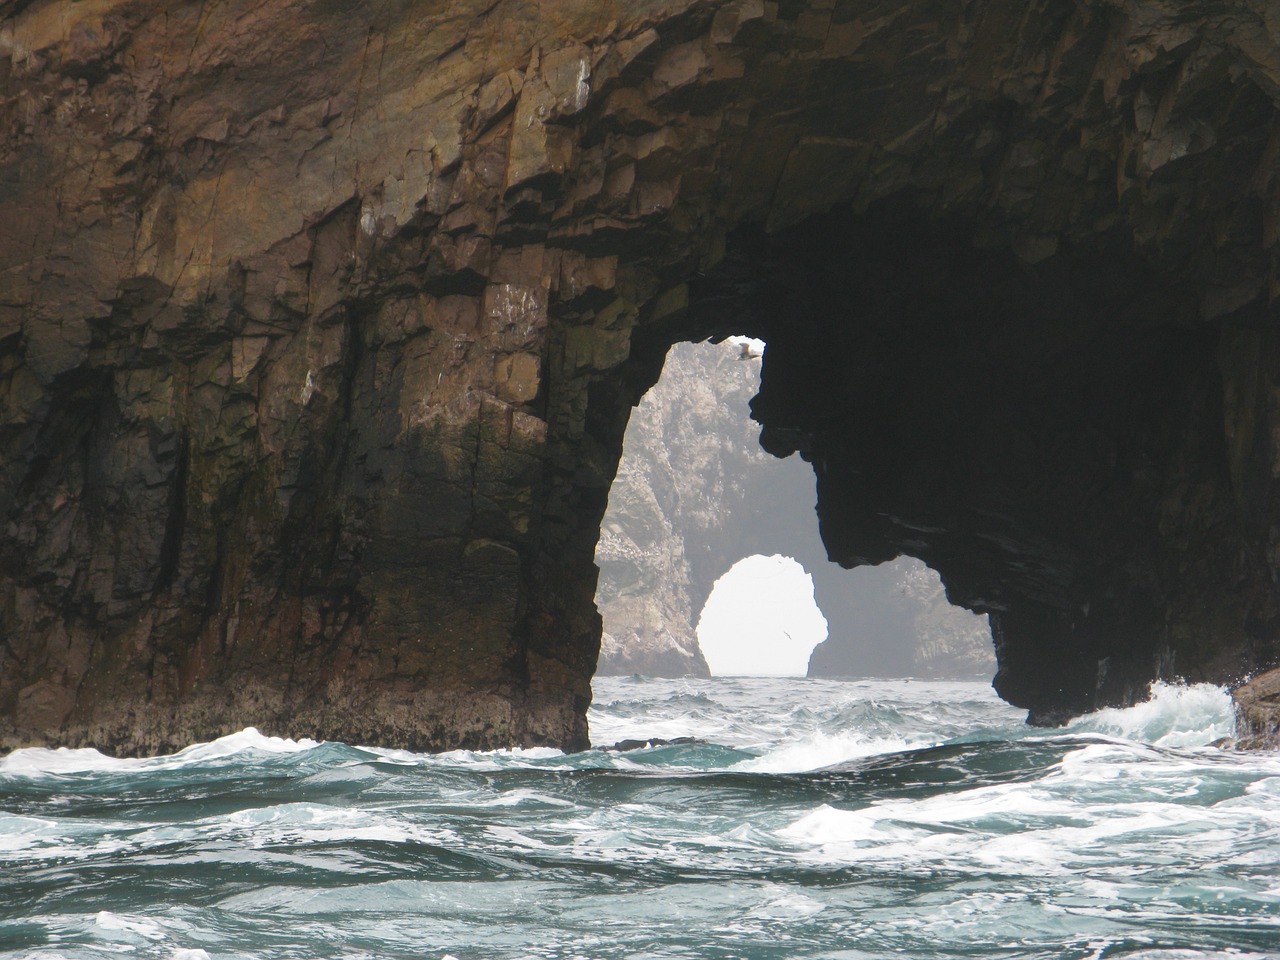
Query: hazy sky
761, 620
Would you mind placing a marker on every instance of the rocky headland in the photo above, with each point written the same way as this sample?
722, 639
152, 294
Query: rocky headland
320, 326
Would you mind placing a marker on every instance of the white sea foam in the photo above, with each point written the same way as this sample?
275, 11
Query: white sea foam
786, 907
523, 798
38, 761
470, 759
1176, 715
1122, 835
115, 924
236, 743
1133, 780
308, 823
1010, 830
18, 832
818, 750
796, 725
607, 730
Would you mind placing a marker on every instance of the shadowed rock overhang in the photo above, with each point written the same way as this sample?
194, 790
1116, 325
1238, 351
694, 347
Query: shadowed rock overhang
1015, 262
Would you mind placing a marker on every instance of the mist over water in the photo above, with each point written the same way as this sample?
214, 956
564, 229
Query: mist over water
809, 819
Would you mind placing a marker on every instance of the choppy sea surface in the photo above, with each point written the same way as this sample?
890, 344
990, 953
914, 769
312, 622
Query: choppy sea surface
861, 819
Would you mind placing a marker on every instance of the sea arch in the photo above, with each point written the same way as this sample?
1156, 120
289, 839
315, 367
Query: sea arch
320, 329
695, 495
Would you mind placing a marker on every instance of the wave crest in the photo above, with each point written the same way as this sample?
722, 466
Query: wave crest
1176, 715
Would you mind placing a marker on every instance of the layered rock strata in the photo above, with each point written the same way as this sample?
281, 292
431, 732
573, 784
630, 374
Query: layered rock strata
1015, 263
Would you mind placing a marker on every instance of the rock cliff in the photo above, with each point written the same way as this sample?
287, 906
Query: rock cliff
1015, 262
1257, 707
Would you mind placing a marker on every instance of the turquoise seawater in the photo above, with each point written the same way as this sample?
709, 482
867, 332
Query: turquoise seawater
810, 819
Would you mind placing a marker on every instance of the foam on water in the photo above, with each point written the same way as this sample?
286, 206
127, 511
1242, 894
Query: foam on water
108, 921
818, 750
1131, 787
1176, 715
37, 761
836, 722
808, 820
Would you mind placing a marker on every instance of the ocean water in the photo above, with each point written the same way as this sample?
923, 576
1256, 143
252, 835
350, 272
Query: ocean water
862, 819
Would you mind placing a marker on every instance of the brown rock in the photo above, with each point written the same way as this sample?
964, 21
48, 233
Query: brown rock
1043, 230
1258, 712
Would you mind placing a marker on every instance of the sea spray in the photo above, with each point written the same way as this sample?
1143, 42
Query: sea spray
1176, 715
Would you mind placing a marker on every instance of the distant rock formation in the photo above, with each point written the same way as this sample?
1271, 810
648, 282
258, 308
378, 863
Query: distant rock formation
643, 594
689, 453
695, 493
901, 606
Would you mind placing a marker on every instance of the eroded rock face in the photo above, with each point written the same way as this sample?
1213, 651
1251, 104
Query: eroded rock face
691, 453
245, 245
1081, 494
694, 494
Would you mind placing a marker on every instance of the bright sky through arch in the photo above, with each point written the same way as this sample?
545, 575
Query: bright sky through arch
761, 620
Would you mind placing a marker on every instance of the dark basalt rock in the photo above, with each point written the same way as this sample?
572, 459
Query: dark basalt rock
1048, 437
320, 325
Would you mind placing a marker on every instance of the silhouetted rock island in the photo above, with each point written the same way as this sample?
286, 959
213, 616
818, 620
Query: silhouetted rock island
320, 325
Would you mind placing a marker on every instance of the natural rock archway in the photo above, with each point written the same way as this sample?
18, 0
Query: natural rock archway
695, 494
319, 326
